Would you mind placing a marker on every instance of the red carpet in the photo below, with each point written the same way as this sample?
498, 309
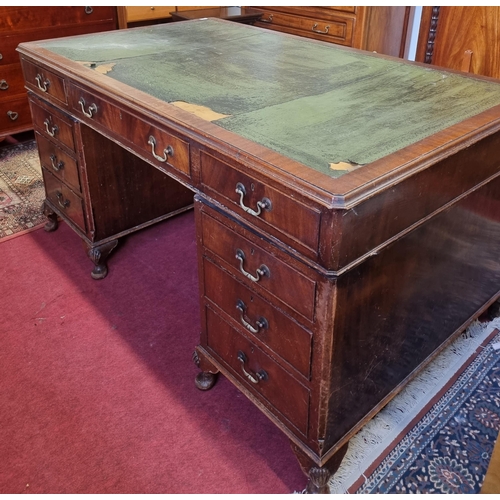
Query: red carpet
97, 389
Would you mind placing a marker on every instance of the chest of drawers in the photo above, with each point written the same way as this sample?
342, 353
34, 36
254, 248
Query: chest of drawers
379, 29
22, 24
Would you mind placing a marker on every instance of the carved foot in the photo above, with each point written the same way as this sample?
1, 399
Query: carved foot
318, 480
52, 223
319, 477
206, 379
494, 310
99, 255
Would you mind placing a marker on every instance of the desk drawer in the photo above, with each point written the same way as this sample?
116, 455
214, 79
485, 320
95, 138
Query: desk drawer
248, 363
15, 18
53, 124
140, 133
336, 30
257, 318
14, 113
146, 13
67, 202
44, 82
257, 268
59, 163
280, 215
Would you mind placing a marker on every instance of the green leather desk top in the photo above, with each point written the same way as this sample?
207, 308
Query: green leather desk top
316, 103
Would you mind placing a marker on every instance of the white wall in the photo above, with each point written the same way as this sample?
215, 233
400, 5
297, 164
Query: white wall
413, 33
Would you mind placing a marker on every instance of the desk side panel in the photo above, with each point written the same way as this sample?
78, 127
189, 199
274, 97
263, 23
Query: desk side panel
398, 308
391, 211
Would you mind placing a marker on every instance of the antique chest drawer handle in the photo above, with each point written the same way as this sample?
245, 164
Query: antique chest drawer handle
265, 203
261, 323
168, 151
91, 110
53, 131
56, 166
12, 115
319, 31
268, 20
263, 270
43, 86
1, 56
4, 85
89, 10
62, 202
255, 378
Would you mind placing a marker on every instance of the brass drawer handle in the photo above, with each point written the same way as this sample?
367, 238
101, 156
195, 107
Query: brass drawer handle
261, 322
89, 10
255, 378
56, 166
91, 110
4, 85
263, 270
53, 131
1, 56
265, 203
12, 115
269, 19
168, 151
319, 31
43, 86
62, 202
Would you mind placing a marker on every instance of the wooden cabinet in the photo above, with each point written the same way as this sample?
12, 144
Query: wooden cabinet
379, 29
23, 24
145, 14
461, 38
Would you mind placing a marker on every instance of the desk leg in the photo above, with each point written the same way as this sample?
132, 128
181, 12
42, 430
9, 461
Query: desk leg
52, 223
206, 379
494, 310
99, 254
318, 477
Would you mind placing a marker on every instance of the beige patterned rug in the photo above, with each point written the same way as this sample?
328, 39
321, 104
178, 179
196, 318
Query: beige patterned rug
21, 189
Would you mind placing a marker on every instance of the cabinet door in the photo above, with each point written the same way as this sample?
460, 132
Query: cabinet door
461, 38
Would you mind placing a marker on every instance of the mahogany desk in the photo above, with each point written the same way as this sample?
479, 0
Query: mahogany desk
347, 204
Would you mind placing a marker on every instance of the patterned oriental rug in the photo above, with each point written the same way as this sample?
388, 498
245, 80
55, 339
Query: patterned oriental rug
434, 438
21, 189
